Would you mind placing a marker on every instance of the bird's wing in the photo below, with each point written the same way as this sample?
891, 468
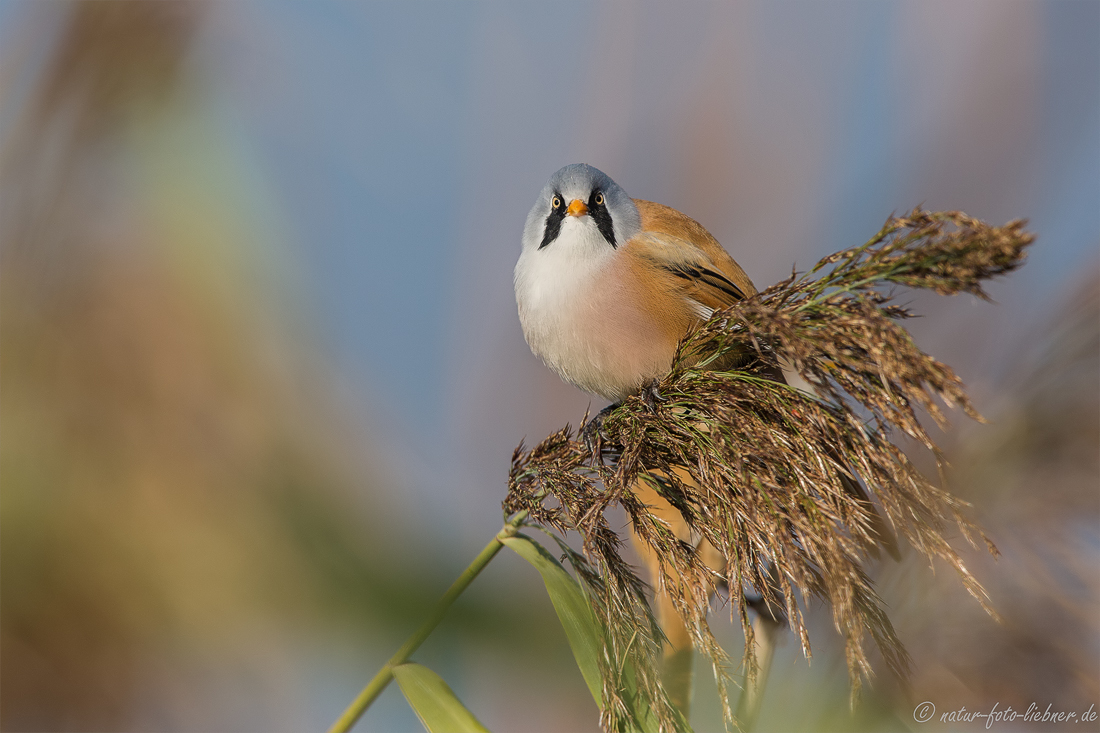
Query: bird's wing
695, 277
708, 276
706, 272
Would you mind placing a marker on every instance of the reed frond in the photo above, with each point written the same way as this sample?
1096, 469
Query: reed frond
763, 471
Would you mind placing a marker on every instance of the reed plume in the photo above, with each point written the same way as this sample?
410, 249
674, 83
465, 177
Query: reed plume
766, 463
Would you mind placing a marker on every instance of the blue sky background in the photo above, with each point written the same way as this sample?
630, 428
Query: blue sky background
403, 144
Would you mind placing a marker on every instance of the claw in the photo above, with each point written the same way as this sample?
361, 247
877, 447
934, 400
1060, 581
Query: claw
592, 434
651, 396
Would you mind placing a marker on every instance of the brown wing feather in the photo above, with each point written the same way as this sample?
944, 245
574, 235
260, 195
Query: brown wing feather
666, 220
704, 284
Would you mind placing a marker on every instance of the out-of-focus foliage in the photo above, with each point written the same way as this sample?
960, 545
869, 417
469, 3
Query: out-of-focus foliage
157, 445
1034, 471
179, 513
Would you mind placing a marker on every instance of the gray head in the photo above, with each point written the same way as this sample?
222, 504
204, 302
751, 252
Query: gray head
581, 191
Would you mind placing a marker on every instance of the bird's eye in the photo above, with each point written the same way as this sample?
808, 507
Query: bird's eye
599, 199
555, 202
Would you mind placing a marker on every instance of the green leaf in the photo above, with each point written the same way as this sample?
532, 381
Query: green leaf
434, 702
580, 624
584, 632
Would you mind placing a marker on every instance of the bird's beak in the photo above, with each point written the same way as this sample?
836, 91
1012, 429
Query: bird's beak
576, 208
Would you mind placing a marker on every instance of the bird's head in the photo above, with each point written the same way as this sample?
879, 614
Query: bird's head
581, 206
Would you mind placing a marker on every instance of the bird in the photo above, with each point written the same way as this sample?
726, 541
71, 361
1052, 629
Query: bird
606, 287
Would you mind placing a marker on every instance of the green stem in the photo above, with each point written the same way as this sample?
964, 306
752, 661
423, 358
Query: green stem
382, 679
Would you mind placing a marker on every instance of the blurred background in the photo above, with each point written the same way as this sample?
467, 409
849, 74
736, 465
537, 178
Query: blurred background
262, 373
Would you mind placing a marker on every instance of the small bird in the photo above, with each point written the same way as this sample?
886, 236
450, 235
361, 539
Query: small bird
606, 287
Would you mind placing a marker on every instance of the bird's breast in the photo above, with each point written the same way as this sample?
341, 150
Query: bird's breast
596, 321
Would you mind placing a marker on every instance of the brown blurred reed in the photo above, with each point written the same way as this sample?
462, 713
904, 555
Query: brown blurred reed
183, 504
150, 446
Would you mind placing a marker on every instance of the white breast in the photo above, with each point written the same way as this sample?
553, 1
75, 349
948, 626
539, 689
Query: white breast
575, 317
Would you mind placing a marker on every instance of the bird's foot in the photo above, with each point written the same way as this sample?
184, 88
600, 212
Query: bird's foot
592, 433
650, 396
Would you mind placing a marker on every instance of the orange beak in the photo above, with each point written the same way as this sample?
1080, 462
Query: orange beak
576, 208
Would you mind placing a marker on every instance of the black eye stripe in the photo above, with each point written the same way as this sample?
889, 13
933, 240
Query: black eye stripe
599, 212
553, 221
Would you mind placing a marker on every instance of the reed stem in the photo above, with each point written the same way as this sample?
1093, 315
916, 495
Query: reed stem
375, 687
765, 635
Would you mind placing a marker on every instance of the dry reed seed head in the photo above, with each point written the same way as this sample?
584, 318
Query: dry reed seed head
767, 474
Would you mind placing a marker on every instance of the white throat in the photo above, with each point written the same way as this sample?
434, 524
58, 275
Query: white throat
551, 277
